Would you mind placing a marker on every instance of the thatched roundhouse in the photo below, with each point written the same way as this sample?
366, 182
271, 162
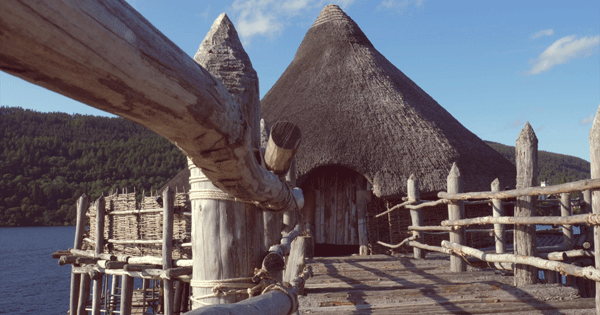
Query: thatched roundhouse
360, 116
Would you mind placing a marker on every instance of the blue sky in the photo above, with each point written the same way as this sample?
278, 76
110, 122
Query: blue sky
494, 65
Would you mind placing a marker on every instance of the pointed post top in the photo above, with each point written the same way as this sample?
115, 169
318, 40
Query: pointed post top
595, 131
454, 171
496, 185
527, 135
412, 177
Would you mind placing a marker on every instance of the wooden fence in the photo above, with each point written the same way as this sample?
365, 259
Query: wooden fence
526, 257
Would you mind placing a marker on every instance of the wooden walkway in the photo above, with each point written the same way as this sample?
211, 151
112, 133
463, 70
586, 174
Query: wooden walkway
399, 284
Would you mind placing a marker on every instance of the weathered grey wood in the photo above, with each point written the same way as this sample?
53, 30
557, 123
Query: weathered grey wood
227, 236
595, 174
102, 54
587, 272
431, 228
524, 236
82, 207
84, 294
274, 260
167, 247
528, 191
114, 284
398, 206
283, 144
405, 241
295, 262
566, 211
99, 246
430, 247
585, 209
416, 216
178, 296
427, 204
498, 211
362, 197
289, 217
574, 219
126, 294
456, 211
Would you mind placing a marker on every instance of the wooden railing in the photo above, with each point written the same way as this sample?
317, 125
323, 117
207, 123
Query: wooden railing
526, 256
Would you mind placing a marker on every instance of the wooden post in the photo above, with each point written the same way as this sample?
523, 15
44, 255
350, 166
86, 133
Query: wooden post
595, 173
233, 229
289, 217
416, 215
272, 221
126, 295
587, 208
456, 211
362, 197
167, 247
178, 297
82, 207
566, 211
97, 290
113, 292
524, 239
84, 294
498, 211
295, 261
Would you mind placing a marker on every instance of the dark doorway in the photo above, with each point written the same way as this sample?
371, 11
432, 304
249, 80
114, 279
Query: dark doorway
329, 250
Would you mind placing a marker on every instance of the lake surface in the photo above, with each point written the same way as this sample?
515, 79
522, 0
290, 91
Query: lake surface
31, 282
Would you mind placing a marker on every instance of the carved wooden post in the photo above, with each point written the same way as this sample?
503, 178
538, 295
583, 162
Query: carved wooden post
566, 211
82, 207
167, 247
524, 240
227, 235
415, 215
97, 290
498, 211
595, 173
456, 211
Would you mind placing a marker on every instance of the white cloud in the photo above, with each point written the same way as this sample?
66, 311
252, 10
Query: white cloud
588, 119
541, 33
564, 50
269, 18
400, 5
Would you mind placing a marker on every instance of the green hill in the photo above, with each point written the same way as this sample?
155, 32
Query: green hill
553, 168
47, 160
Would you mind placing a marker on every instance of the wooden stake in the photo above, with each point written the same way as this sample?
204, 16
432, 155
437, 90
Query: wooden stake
595, 174
524, 239
295, 261
362, 197
82, 207
167, 247
498, 211
456, 211
84, 294
97, 290
415, 215
586, 209
126, 295
566, 211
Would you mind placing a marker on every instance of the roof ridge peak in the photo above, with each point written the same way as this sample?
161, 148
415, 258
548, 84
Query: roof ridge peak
331, 12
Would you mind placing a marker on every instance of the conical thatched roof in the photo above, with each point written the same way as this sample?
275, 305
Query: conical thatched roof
358, 110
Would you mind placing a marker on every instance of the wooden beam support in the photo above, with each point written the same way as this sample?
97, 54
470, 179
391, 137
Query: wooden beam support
456, 211
595, 174
498, 211
101, 53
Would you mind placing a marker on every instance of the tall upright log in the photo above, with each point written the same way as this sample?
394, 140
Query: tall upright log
524, 235
99, 246
456, 211
566, 211
272, 221
233, 229
498, 211
167, 247
102, 53
415, 215
126, 295
362, 198
82, 207
595, 173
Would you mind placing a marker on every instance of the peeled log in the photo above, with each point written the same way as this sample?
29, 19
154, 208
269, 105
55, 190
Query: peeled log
284, 141
106, 55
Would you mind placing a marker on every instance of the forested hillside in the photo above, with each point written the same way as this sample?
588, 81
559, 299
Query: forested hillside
47, 160
554, 168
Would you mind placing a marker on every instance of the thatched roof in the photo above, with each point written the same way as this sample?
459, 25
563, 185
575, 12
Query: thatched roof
356, 109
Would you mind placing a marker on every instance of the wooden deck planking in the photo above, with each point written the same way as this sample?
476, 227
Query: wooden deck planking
398, 284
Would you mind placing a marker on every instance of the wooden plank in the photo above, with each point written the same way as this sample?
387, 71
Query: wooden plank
524, 235
102, 53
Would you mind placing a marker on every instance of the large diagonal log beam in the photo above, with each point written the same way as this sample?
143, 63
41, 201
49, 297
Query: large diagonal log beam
106, 55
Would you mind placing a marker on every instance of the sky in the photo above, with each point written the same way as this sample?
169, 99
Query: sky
494, 65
